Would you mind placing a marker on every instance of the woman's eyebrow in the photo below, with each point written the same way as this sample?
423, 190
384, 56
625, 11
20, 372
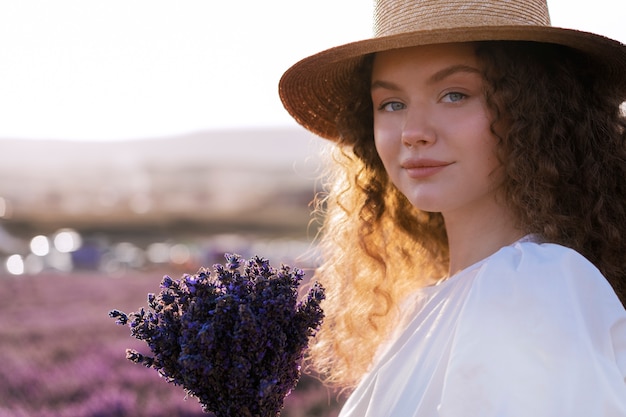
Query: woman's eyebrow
385, 85
451, 70
436, 77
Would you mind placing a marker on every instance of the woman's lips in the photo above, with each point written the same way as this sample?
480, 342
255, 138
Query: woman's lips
423, 168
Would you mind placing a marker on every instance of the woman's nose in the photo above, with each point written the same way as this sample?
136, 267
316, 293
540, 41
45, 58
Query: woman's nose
418, 129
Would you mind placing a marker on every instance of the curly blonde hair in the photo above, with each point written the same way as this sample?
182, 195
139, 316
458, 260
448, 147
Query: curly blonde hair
564, 154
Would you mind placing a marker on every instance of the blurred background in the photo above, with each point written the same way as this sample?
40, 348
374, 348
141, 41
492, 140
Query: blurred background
142, 138
177, 201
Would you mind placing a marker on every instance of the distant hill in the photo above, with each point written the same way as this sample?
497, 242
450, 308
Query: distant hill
216, 179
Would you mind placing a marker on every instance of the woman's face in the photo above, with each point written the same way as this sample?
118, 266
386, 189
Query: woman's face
432, 127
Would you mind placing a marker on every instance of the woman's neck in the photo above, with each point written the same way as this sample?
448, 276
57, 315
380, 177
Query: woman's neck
474, 236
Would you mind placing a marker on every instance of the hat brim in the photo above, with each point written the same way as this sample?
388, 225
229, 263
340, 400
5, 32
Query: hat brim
311, 89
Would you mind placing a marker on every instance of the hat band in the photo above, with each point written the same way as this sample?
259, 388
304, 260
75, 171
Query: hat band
392, 17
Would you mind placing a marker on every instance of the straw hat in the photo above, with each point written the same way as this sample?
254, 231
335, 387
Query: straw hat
311, 90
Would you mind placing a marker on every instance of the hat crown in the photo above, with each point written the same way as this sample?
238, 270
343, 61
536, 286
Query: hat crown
392, 17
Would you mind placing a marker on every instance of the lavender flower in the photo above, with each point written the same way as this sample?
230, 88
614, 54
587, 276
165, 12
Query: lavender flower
234, 338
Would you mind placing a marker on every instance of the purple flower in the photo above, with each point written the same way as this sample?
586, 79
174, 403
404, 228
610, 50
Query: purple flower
234, 337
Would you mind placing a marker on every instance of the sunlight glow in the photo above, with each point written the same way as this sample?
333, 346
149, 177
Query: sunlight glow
67, 240
15, 264
40, 246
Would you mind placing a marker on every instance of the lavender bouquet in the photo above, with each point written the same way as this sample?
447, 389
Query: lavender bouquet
233, 338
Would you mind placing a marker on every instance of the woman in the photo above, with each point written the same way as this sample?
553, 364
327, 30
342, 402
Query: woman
475, 218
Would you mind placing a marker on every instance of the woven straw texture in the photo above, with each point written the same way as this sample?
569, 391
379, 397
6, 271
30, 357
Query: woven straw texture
392, 17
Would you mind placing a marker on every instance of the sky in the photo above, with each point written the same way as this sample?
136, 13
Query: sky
128, 69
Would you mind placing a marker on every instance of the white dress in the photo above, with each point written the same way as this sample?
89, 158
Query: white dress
533, 330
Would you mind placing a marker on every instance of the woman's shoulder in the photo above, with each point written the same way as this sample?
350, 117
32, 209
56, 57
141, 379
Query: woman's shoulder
537, 314
530, 253
538, 262
545, 279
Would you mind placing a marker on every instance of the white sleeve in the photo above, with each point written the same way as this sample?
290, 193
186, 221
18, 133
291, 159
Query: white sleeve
542, 334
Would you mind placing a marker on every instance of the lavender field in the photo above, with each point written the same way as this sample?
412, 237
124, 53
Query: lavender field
62, 356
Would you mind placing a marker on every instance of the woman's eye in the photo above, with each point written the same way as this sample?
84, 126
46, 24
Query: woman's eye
392, 106
453, 97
